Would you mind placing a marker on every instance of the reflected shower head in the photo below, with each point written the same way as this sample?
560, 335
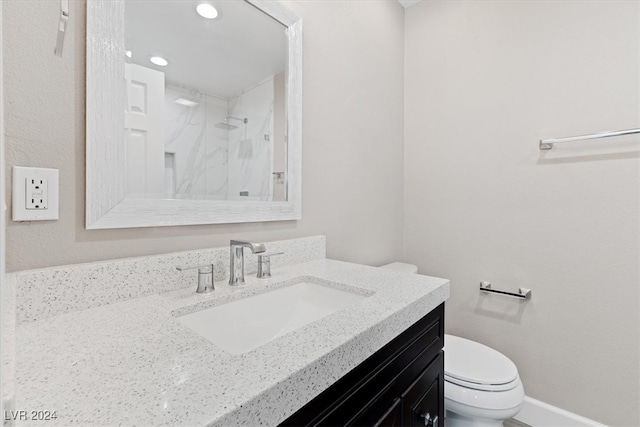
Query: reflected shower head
226, 126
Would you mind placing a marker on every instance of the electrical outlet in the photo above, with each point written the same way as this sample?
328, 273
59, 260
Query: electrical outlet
35, 194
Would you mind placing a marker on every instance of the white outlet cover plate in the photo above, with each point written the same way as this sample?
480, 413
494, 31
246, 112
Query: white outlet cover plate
19, 196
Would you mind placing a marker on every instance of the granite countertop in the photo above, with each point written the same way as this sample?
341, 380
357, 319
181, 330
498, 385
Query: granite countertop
133, 363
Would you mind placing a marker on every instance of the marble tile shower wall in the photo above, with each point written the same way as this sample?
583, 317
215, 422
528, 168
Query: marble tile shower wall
206, 162
196, 166
45, 293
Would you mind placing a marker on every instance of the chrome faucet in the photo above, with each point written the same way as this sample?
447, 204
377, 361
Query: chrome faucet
236, 259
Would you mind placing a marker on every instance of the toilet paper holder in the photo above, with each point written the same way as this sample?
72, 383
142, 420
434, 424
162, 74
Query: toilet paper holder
523, 293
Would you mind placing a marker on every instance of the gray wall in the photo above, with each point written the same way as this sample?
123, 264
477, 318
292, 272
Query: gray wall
485, 80
353, 127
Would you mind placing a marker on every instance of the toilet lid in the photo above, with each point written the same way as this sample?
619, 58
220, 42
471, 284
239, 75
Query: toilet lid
482, 367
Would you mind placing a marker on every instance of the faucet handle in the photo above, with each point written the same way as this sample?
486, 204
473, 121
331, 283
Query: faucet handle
205, 277
264, 264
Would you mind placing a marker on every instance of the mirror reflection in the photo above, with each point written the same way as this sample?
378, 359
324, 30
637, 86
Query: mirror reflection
205, 114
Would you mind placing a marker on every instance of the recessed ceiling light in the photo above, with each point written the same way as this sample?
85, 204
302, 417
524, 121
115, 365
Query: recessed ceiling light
186, 102
128, 53
159, 61
207, 10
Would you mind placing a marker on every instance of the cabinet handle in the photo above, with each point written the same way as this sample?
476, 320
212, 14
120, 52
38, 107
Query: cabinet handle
428, 421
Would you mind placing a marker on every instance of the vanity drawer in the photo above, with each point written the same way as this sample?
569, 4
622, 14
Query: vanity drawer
393, 416
366, 394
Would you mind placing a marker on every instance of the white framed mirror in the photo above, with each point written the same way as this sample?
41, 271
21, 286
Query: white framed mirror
192, 118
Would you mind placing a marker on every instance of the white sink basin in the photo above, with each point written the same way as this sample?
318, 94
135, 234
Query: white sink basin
243, 325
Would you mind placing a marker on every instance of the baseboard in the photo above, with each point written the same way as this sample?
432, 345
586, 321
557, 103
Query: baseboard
539, 414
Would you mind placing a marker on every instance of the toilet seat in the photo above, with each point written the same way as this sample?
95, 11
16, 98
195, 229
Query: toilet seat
482, 387
476, 366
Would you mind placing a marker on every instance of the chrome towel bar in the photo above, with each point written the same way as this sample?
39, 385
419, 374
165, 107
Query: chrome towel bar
547, 144
522, 293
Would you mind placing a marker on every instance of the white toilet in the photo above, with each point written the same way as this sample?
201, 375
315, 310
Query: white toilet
482, 387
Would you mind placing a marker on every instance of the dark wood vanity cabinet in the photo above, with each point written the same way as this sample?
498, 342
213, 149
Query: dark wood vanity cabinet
402, 384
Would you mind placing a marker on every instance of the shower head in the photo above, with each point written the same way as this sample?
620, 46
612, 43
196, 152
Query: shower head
226, 126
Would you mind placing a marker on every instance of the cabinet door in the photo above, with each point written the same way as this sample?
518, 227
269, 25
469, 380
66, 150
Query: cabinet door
423, 402
393, 417
371, 394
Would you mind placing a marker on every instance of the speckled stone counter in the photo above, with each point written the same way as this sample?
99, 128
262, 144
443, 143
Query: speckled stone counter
133, 363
